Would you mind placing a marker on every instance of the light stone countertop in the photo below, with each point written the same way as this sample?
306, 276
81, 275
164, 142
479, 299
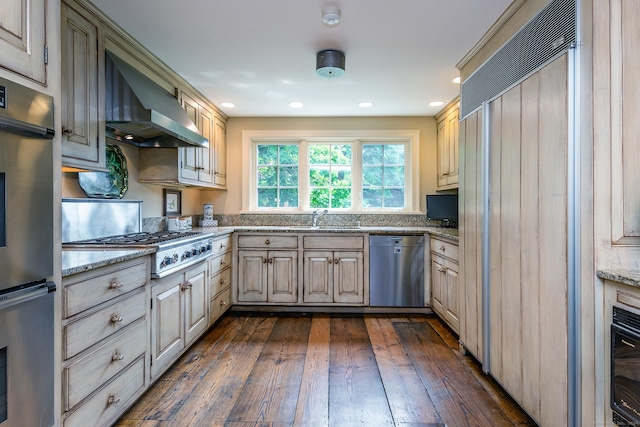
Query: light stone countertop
76, 260
628, 277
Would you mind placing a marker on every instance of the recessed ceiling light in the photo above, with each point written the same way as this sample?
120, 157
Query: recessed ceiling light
365, 104
456, 80
227, 104
295, 104
436, 103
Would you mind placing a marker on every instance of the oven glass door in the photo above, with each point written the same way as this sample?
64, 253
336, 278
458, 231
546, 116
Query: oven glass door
625, 372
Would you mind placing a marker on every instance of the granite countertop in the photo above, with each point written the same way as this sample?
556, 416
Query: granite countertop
77, 260
628, 277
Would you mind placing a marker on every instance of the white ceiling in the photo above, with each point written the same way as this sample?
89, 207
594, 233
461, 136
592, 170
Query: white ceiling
261, 55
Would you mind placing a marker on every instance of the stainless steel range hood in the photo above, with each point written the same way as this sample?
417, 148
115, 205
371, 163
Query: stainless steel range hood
140, 112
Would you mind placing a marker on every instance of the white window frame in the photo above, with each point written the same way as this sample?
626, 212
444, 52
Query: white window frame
411, 139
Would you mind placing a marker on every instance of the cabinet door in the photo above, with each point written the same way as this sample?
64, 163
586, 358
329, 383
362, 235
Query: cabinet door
451, 295
167, 333
196, 302
437, 292
83, 140
207, 155
220, 153
23, 38
318, 276
188, 168
252, 276
348, 278
282, 271
447, 144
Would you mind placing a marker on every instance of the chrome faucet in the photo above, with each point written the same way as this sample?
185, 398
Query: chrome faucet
317, 214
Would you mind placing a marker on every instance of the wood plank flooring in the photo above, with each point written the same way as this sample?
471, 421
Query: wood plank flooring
268, 370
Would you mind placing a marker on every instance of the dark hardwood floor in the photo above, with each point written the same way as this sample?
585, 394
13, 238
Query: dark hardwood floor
325, 370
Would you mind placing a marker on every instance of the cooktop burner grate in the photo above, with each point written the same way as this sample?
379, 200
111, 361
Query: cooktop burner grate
137, 238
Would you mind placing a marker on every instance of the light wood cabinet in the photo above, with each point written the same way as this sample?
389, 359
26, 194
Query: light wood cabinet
105, 341
83, 103
23, 38
445, 293
268, 276
333, 277
190, 166
179, 314
220, 278
447, 138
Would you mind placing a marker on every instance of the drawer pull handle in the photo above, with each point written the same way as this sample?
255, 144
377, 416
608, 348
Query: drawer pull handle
266, 242
115, 318
222, 262
442, 248
115, 285
113, 400
222, 245
223, 303
117, 356
222, 281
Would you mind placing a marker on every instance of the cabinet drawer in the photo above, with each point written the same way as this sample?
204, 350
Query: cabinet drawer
221, 245
110, 402
267, 241
110, 357
440, 247
85, 332
219, 282
220, 304
332, 243
91, 288
219, 263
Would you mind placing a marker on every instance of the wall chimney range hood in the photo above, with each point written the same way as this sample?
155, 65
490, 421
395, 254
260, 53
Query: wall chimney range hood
140, 112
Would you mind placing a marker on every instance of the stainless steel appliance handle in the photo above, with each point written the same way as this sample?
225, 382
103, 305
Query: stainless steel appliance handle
22, 294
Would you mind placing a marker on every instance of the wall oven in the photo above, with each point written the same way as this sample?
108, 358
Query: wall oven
26, 257
625, 367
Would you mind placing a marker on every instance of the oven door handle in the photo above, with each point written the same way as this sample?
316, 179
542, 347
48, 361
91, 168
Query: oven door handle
25, 293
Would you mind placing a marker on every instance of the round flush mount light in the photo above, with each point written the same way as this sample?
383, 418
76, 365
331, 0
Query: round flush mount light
436, 103
331, 16
330, 63
296, 104
365, 104
227, 104
456, 80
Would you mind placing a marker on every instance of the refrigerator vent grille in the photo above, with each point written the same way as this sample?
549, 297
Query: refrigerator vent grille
548, 34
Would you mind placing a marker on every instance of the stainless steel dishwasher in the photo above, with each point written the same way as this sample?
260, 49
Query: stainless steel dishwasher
396, 271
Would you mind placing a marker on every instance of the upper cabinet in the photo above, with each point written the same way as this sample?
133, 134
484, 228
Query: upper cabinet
447, 124
220, 153
198, 161
23, 43
83, 138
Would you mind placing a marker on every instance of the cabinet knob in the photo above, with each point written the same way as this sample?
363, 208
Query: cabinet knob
264, 261
115, 285
222, 281
223, 303
185, 286
222, 262
266, 242
442, 248
335, 261
115, 318
117, 356
112, 400
330, 261
67, 132
222, 245
270, 260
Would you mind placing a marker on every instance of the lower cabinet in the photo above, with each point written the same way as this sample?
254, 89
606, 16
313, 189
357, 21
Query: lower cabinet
220, 278
267, 276
333, 277
179, 314
105, 333
445, 298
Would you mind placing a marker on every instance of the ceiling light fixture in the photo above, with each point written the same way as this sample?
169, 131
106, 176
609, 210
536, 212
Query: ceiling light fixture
436, 103
330, 63
295, 104
365, 104
331, 16
456, 80
227, 104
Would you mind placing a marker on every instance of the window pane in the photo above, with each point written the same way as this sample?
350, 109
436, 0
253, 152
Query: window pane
267, 176
394, 154
372, 198
288, 198
372, 154
288, 176
319, 154
394, 176
319, 198
371, 176
341, 177
288, 154
267, 198
341, 198
319, 177
394, 198
267, 154
341, 154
